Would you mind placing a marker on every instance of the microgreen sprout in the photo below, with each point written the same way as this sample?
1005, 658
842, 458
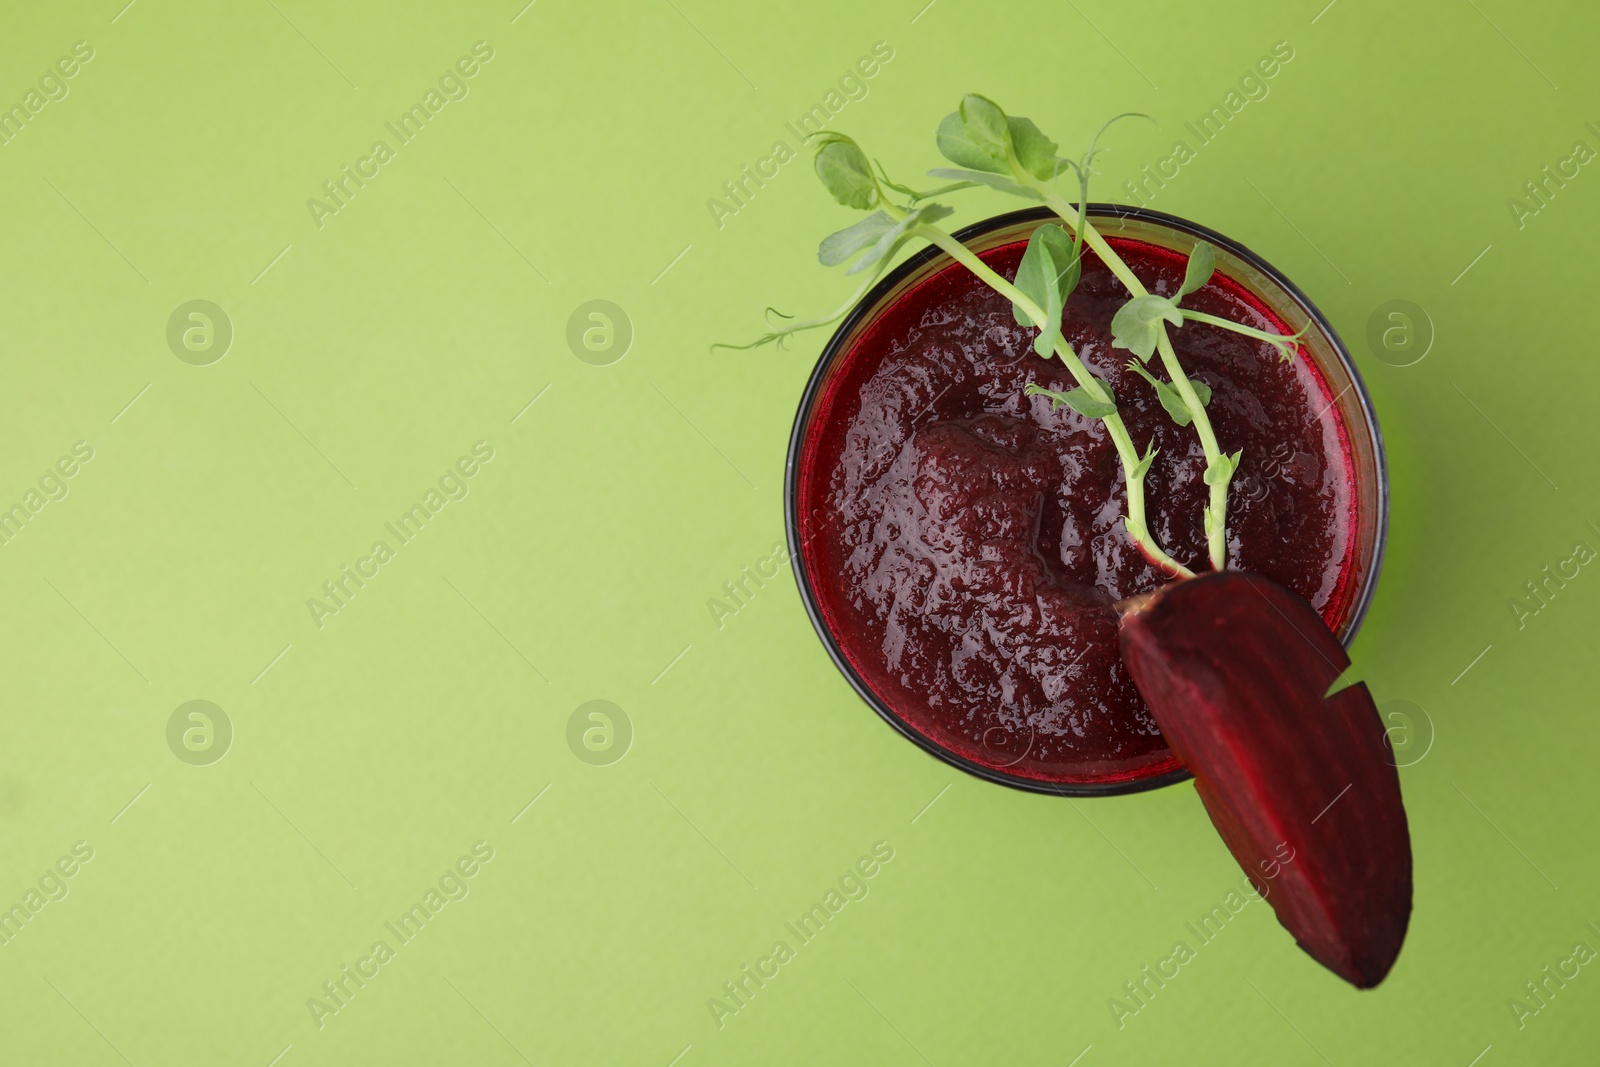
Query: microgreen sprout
1014, 156
1011, 154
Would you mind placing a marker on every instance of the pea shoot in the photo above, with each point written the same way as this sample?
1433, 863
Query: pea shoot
1011, 154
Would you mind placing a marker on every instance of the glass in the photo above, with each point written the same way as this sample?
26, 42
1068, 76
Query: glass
1351, 410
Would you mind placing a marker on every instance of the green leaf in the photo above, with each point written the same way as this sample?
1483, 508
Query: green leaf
1169, 396
1080, 401
1048, 273
894, 237
960, 149
986, 125
840, 246
884, 248
995, 181
846, 171
1056, 274
1202, 264
1077, 399
1035, 151
1065, 256
1142, 468
1220, 470
1137, 323
1036, 276
1165, 393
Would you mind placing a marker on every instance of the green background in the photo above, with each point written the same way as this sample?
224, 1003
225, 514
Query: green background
373, 351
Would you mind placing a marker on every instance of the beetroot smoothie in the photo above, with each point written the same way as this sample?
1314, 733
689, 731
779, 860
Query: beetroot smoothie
964, 543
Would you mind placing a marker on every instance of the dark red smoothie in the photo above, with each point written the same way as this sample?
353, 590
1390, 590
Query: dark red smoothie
965, 544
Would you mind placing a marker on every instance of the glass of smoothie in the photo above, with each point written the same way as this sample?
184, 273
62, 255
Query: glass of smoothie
959, 546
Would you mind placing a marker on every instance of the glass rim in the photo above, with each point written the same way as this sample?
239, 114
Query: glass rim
871, 303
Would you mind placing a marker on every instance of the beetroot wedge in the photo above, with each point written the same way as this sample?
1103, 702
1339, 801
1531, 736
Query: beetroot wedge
1234, 668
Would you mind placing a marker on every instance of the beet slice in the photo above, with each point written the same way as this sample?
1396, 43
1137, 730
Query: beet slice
1234, 668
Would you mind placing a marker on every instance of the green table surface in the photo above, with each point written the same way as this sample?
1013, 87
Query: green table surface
364, 349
